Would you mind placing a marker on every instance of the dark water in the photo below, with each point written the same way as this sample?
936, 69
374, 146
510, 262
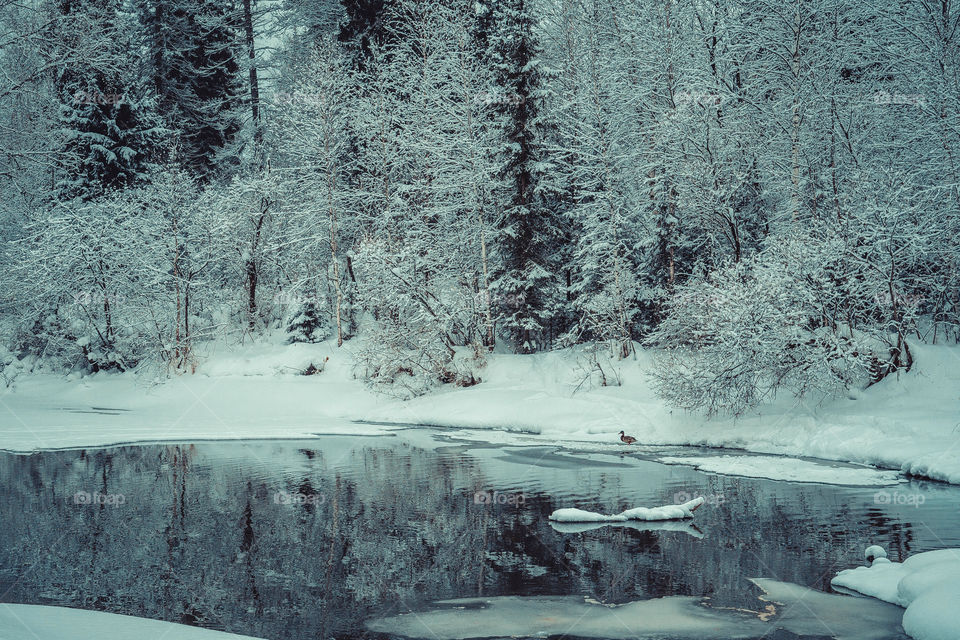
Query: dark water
313, 539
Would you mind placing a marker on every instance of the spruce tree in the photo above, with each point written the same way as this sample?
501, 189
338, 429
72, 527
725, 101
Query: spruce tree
193, 51
528, 290
111, 130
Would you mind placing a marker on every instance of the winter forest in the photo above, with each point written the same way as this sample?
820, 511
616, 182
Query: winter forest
764, 193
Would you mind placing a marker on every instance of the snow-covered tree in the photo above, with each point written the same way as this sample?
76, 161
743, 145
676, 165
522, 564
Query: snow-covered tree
317, 125
193, 49
736, 336
528, 288
112, 132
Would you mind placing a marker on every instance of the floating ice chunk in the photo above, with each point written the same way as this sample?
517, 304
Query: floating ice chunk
38, 622
789, 469
539, 616
666, 512
797, 609
807, 612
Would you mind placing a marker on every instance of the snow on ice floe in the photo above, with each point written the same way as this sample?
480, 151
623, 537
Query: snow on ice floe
666, 512
808, 612
38, 622
927, 584
541, 616
791, 607
790, 469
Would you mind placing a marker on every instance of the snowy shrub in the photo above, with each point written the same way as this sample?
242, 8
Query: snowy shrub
733, 338
597, 366
409, 346
308, 323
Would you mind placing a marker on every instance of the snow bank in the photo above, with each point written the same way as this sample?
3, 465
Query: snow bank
927, 584
907, 422
780, 468
666, 512
37, 622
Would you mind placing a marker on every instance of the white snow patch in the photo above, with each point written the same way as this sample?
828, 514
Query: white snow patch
927, 584
39, 622
542, 616
907, 422
666, 512
791, 469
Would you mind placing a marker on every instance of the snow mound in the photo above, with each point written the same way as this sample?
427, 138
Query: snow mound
39, 622
666, 512
791, 469
873, 552
927, 584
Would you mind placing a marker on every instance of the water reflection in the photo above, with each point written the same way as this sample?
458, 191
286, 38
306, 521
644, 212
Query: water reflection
312, 539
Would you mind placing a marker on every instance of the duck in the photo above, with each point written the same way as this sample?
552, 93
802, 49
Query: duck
627, 439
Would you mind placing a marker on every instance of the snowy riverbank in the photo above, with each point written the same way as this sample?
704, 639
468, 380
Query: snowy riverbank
909, 422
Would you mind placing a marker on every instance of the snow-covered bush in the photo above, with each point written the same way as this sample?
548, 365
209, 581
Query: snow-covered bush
409, 344
734, 337
120, 280
308, 323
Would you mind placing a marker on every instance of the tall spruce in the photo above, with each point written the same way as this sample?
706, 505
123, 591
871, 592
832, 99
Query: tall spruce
111, 130
193, 48
528, 289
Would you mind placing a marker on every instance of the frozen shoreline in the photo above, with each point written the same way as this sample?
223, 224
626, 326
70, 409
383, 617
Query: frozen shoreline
909, 423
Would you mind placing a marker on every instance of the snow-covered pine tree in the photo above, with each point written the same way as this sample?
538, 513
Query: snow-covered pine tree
308, 323
193, 48
112, 132
528, 289
595, 155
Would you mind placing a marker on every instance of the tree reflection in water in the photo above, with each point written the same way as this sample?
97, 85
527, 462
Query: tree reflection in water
294, 540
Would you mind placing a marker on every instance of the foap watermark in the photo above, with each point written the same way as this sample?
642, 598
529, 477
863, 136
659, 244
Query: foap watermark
298, 498
914, 99
295, 299
497, 497
510, 300
300, 98
682, 497
701, 98
98, 298
903, 300
96, 498
899, 498
96, 97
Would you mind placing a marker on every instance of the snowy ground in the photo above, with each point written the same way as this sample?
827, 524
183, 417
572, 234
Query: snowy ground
35, 622
909, 423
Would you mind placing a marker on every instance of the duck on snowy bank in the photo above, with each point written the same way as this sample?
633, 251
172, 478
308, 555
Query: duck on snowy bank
627, 439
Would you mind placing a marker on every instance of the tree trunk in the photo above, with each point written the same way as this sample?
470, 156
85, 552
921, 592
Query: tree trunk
254, 84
